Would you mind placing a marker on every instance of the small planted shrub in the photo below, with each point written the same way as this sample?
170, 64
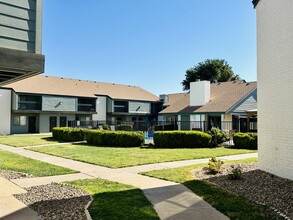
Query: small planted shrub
245, 140
218, 136
106, 127
181, 139
215, 165
114, 138
68, 134
235, 173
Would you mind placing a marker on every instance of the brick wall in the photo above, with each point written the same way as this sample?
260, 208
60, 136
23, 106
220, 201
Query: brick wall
275, 86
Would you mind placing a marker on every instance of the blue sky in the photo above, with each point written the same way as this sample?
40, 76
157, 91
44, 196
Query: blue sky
148, 43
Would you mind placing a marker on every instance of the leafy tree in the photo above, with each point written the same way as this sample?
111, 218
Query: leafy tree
214, 70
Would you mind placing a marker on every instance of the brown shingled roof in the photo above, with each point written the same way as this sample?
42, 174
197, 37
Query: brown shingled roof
80, 88
223, 97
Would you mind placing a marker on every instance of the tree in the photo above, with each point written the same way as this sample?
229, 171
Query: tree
214, 70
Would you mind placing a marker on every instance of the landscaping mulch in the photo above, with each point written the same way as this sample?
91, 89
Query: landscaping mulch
257, 186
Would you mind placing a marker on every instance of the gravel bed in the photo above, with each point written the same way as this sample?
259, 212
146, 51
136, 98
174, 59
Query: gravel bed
13, 175
53, 201
257, 186
56, 201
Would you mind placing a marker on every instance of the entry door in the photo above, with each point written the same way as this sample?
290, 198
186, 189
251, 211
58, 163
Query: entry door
53, 122
63, 121
32, 124
214, 121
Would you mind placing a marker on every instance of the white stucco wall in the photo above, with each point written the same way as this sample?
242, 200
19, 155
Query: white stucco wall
101, 108
5, 111
275, 86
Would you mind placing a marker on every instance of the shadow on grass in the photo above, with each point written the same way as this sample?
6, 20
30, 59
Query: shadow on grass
129, 204
51, 139
108, 203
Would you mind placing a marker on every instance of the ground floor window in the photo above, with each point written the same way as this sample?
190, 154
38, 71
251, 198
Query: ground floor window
19, 120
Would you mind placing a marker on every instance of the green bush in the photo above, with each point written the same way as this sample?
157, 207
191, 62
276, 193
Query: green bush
106, 127
68, 134
215, 165
245, 140
123, 127
235, 173
218, 136
114, 138
181, 139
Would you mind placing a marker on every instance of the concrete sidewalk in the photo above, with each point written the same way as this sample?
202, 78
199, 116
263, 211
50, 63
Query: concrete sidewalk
10, 207
170, 200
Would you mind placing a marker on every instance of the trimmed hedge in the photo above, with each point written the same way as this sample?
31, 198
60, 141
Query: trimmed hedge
245, 140
182, 139
114, 138
68, 134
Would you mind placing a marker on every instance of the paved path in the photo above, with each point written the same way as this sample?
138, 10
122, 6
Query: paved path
171, 200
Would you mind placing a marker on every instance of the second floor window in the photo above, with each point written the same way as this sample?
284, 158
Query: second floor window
86, 105
120, 106
29, 102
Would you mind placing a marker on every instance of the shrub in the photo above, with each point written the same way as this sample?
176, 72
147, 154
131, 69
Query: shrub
106, 127
68, 134
218, 136
114, 138
124, 127
181, 139
215, 165
235, 173
245, 140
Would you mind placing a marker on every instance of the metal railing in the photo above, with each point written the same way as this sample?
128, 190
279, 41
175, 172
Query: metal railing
163, 125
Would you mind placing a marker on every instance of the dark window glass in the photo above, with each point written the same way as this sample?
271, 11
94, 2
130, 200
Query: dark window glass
29, 102
86, 105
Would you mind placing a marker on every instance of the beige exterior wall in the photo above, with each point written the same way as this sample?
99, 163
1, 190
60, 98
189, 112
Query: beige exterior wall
275, 86
226, 118
5, 111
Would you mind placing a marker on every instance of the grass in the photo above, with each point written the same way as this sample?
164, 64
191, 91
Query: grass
14, 162
116, 157
113, 200
27, 140
233, 206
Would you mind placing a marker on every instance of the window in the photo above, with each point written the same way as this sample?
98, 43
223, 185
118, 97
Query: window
19, 120
120, 106
29, 102
86, 105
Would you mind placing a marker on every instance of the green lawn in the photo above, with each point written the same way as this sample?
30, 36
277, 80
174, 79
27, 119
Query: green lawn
116, 201
27, 140
235, 207
116, 157
14, 162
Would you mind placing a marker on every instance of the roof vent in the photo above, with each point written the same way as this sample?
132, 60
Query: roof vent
244, 81
247, 84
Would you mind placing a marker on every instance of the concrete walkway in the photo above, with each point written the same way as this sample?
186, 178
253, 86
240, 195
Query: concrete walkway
171, 200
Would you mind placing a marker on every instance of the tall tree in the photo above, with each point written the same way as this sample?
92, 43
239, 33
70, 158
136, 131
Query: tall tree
214, 70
